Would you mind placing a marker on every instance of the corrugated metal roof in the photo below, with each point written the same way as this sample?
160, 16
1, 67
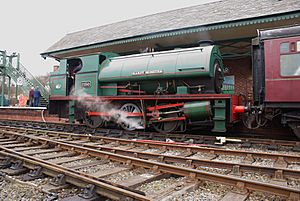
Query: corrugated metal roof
180, 19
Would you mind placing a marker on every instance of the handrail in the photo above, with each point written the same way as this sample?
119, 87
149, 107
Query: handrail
28, 75
30, 80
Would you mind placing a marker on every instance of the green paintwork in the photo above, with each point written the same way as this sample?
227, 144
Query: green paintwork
215, 55
182, 63
89, 63
86, 80
197, 111
2, 88
58, 85
17, 67
109, 91
86, 83
182, 90
58, 80
219, 116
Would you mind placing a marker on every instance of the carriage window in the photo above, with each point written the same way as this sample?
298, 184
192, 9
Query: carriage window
290, 64
298, 46
284, 47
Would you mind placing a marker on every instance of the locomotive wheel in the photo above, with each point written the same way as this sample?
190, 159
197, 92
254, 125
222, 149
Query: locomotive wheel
131, 123
166, 127
93, 121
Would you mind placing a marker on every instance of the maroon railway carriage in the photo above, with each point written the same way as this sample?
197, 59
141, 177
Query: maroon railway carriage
276, 77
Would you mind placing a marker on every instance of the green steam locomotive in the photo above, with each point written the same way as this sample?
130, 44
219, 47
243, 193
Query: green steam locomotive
167, 91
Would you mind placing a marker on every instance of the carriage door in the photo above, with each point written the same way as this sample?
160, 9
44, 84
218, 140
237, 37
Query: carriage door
282, 69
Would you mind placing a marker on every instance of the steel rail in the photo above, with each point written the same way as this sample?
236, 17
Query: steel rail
180, 136
112, 191
187, 172
171, 146
192, 162
235, 167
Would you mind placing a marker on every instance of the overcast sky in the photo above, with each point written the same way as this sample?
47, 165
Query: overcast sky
30, 27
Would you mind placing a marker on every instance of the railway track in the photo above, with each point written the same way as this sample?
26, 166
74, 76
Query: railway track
272, 144
189, 164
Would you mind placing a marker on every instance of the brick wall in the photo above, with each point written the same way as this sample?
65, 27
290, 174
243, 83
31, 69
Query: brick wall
242, 71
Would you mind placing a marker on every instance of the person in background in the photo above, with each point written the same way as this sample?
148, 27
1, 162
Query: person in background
31, 97
22, 100
36, 96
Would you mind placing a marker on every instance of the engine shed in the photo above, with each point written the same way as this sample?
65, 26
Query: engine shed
231, 24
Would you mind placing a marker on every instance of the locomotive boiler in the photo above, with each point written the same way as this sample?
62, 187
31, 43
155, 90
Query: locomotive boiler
196, 70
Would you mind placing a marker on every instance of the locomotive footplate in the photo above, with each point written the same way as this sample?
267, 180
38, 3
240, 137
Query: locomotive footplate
165, 113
